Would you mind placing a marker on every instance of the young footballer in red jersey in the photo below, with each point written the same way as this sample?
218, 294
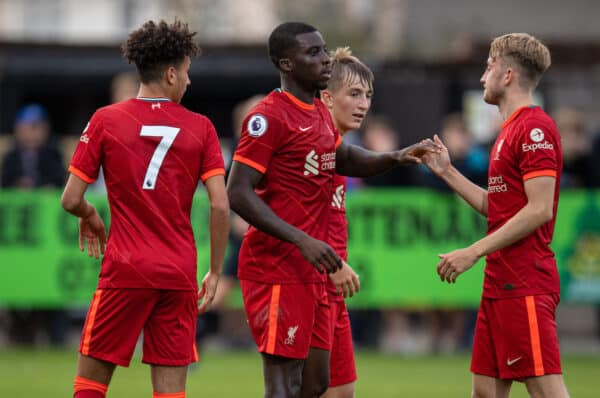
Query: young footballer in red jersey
153, 152
281, 182
515, 335
348, 99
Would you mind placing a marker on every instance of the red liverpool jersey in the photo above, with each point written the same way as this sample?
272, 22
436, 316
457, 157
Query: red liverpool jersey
153, 153
293, 145
338, 226
528, 146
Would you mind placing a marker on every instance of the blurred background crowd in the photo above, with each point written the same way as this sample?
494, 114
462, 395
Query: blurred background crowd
60, 60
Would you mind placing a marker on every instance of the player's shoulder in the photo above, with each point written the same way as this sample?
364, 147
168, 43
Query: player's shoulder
270, 112
107, 111
194, 117
537, 119
272, 105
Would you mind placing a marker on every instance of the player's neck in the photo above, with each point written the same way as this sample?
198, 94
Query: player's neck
339, 128
510, 103
152, 90
297, 91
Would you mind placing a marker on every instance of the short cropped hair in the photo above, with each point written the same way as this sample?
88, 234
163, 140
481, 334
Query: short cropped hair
345, 68
283, 38
155, 46
524, 51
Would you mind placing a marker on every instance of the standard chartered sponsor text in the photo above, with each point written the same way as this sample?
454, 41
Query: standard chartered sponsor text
496, 184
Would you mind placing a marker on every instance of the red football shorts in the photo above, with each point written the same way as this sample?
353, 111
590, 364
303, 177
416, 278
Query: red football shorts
516, 338
342, 368
117, 317
286, 320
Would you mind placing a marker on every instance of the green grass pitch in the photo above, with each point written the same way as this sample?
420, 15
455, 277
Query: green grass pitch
49, 374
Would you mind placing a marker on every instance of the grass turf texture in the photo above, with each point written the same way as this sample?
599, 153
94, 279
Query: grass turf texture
49, 374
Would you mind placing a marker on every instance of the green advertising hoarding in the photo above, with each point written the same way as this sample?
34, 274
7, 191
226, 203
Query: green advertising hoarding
395, 238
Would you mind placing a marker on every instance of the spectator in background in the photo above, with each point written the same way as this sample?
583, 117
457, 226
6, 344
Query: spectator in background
123, 86
469, 158
231, 325
373, 327
238, 225
34, 161
381, 136
451, 329
577, 146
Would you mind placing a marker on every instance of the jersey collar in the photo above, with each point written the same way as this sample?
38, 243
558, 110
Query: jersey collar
300, 104
515, 114
154, 99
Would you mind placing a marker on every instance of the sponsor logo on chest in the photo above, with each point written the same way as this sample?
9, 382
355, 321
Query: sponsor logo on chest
315, 163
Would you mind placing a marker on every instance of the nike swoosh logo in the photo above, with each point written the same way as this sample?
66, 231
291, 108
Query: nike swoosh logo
303, 129
510, 362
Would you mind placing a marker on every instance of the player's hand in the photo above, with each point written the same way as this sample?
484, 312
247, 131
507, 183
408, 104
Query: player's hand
346, 281
92, 234
438, 163
453, 264
319, 254
414, 153
207, 291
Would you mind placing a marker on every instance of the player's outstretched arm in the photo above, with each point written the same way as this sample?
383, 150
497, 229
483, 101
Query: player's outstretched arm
91, 227
246, 203
440, 164
219, 233
354, 161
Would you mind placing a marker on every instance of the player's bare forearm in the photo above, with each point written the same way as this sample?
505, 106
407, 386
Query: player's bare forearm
522, 224
352, 160
73, 200
473, 194
219, 222
248, 205
219, 233
537, 211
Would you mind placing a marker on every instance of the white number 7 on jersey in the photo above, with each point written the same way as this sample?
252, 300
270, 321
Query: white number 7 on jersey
168, 135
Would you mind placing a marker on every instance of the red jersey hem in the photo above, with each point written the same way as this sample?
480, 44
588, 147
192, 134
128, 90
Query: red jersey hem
75, 171
117, 285
108, 358
287, 281
248, 162
539, 173
517, 293
212, 173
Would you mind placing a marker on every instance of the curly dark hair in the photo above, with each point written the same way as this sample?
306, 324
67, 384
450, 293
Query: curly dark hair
155, 46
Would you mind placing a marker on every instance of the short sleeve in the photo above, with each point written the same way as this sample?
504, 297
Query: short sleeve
88, 156
212, 159
537, 149
259, 141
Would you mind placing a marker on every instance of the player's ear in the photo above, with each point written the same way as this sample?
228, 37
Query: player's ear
171, 74
509, 75
285, 64
327, 98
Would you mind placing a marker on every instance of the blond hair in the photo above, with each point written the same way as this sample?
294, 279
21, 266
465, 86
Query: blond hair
346, 67
524, 51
